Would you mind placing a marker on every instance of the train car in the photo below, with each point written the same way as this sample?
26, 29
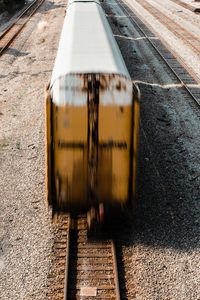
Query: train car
92, 118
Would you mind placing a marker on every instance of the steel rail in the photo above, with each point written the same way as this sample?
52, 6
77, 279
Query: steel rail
115, 271
67, 261
5, 40
160, 54
17, 19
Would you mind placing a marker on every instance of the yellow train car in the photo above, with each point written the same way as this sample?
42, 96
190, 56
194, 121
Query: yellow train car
92, 118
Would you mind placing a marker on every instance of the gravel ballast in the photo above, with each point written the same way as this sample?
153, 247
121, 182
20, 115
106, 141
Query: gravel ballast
160, 245
26, 232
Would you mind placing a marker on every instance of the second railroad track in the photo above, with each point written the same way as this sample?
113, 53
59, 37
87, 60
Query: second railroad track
8, 36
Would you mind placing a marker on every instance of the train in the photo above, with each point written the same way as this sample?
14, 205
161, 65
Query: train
92, 119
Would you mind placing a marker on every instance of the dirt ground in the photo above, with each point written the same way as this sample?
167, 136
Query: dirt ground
160, 247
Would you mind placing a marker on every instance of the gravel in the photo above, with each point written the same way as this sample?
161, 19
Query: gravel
26, 232
160, 245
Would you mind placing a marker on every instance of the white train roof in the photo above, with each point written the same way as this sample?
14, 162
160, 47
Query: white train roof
87, 44
82, 1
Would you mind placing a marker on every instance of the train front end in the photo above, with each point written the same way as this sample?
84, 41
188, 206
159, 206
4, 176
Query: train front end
92, 118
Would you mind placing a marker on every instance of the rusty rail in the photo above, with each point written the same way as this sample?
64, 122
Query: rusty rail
59, 261
8, 36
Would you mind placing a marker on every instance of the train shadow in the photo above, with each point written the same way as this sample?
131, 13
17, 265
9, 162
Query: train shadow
50, 5
168, 209
16, 53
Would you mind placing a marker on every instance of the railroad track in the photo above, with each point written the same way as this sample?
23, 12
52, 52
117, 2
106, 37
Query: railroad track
8, 36
84, 267
187, 5
191, 85
189, 39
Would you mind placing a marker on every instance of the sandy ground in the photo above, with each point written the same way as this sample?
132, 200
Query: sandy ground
161, 251
25, 226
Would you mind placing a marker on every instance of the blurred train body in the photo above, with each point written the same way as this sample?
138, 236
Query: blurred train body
92, 116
